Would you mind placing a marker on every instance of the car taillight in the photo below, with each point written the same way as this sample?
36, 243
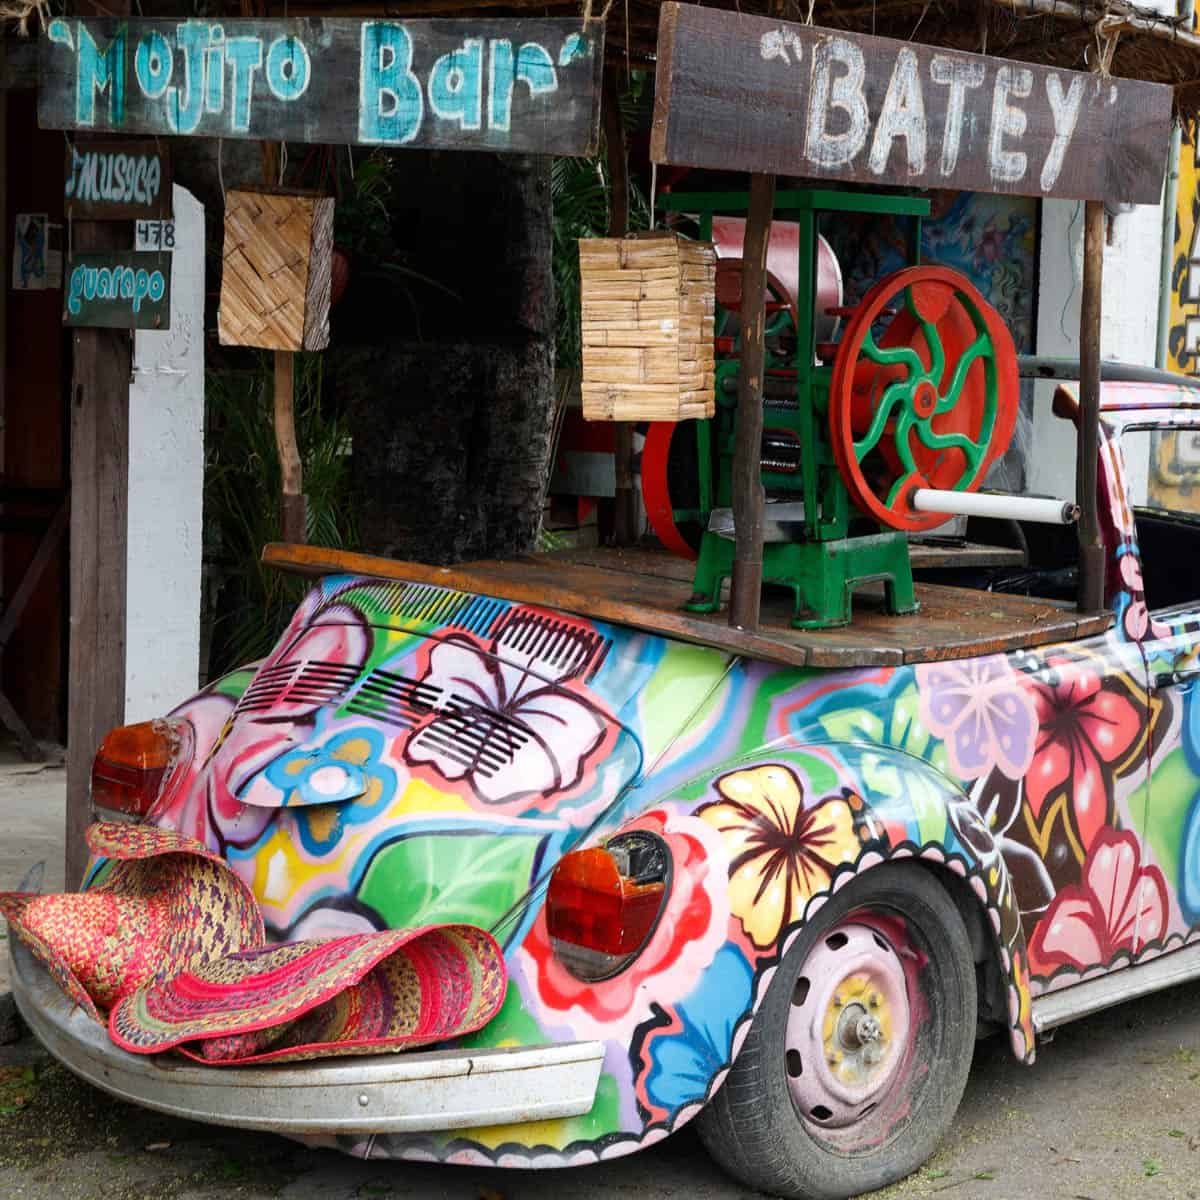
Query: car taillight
130, 764
603, 904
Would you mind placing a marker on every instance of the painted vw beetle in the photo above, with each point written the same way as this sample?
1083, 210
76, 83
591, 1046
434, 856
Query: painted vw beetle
781, 901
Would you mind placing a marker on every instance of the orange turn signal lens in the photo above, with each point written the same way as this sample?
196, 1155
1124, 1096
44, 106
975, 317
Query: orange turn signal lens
130, 764
602, 904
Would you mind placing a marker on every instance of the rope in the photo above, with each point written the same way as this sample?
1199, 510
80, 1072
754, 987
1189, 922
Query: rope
653, 191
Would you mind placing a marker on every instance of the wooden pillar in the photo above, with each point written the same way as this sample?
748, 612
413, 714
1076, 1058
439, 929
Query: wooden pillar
624, 506
745, 595
102, 362
99, 517
1091, 544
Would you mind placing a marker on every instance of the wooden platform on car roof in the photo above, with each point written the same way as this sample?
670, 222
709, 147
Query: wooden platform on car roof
647, 590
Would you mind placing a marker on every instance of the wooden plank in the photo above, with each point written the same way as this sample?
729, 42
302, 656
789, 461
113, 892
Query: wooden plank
927, 556
737, 92
529, 86
117, 181
123, 289
99, 510
952, 623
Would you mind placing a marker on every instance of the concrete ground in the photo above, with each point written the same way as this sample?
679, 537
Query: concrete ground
1111, 1111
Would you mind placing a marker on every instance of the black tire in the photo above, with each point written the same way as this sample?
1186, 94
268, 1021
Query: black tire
753, 1127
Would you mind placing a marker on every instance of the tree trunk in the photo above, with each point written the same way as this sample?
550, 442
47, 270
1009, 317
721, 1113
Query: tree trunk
451, 401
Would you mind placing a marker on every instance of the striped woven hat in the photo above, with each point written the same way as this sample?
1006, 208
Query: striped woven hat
164, 902
350, 995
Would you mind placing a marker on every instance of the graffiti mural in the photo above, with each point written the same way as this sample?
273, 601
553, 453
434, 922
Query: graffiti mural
992, 239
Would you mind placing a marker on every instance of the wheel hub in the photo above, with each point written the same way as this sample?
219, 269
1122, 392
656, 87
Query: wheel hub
858, 1040
848, 1027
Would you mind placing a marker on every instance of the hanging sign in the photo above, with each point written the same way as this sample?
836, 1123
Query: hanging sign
746, 93
127, 289
117, 181
526, 86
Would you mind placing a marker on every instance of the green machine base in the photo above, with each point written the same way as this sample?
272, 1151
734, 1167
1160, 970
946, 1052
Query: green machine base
821, 575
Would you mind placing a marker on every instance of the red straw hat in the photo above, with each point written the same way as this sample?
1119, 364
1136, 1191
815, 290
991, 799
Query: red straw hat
350, 995
166, 901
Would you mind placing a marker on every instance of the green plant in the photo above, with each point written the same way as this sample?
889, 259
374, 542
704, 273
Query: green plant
241, 500
581, 189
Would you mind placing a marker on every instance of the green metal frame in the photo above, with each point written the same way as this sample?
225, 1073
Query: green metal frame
823, 568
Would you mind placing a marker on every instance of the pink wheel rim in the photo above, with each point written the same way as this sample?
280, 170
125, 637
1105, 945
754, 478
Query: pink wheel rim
849, 1026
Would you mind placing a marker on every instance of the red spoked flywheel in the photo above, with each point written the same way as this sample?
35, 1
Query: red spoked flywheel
925, 398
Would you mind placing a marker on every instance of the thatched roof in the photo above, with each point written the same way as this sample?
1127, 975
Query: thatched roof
1055, 32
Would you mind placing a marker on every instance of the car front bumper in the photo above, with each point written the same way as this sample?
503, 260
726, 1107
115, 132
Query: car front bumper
383, 1093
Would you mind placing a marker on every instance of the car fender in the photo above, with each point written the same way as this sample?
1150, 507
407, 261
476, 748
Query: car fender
682, 1010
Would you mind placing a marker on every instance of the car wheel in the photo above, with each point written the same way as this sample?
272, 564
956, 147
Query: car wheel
858, 1056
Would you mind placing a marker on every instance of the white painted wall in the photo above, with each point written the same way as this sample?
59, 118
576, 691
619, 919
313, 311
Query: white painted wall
166, 479
1129, 318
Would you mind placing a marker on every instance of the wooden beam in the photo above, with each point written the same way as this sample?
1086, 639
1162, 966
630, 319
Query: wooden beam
745, 596
99, 522
292, 506
101, 368
1091, 544
1108, 19
624, 504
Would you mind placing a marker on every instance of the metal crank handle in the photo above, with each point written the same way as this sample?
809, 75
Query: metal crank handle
983, 504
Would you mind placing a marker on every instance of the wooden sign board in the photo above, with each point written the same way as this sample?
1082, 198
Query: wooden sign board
522, 86
117, 181
746, 93
122, 290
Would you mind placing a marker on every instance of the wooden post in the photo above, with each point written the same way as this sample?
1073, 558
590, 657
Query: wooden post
292, 506
1091, 544
101, 368
624, 505
745, 595
293, 517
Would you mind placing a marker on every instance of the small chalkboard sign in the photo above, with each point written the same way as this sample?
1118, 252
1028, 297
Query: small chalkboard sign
123, 290
117, 181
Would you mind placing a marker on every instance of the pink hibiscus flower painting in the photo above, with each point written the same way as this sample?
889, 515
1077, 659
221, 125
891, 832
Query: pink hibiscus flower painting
1120, 906
1087, 725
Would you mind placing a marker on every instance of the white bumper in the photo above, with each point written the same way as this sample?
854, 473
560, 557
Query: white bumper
388, 1093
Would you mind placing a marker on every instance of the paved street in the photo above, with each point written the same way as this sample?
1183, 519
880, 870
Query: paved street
1111, 1111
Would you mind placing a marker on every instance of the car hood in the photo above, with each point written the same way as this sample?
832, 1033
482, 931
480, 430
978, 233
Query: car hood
409, 755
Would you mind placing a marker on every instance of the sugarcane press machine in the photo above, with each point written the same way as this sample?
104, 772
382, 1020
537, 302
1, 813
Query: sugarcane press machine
871, 412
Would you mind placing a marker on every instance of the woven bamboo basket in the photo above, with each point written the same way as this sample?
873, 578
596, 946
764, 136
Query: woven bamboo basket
278, 262
647, 304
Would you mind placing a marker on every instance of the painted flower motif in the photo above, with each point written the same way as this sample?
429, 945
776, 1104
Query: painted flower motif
249, 744
512, 726
781, 854
1088, 723
1189, 865
683, 1056
1120, 906
1136, 620
344, 767
691, 929
978, 707
982, 823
